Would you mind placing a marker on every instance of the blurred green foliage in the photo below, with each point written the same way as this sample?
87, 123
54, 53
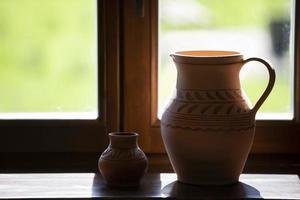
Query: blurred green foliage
48, 51
231, 13
234, 15
48, 55
259, 13
278, 101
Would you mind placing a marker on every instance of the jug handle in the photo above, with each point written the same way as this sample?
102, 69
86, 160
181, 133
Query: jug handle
272, 77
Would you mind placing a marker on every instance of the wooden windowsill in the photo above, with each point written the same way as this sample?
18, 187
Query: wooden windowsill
154, 186
158, 163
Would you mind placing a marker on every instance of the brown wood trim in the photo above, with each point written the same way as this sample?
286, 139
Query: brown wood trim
112, 58
136, 74
48, 162
267, 164
154, 62
77, 135
297, 62
88, 162
256, 163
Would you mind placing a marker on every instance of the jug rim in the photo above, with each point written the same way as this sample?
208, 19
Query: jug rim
207, 53
207, 57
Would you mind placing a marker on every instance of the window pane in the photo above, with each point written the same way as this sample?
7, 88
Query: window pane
48, 59
260, 28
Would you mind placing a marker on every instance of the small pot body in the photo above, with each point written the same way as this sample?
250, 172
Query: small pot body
208, 128
123, 163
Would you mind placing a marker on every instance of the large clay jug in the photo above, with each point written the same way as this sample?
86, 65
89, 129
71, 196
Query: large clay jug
208, 128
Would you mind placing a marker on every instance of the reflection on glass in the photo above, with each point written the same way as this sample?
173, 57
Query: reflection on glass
48, 59
259, 28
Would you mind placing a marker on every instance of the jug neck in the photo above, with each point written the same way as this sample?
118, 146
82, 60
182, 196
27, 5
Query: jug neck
208, 77
208, 70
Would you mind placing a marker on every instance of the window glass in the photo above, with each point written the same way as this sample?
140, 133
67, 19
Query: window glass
48, 59
260, 28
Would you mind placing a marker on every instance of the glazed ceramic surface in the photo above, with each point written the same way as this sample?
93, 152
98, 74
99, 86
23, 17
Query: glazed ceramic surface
208, 128
123, 163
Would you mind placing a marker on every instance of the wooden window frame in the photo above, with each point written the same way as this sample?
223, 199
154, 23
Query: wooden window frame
140, 75
77, 135
129, 103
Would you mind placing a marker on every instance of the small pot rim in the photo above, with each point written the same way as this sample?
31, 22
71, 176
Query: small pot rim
123, 134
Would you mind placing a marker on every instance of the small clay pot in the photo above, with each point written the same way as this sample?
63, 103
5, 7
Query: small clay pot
123, 163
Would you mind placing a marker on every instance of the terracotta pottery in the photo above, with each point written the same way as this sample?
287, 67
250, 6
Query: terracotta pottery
123, 163
208, 128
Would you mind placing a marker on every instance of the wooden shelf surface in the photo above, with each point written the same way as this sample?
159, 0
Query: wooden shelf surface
154, 186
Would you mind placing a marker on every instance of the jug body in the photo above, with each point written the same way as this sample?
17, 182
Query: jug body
208, 128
